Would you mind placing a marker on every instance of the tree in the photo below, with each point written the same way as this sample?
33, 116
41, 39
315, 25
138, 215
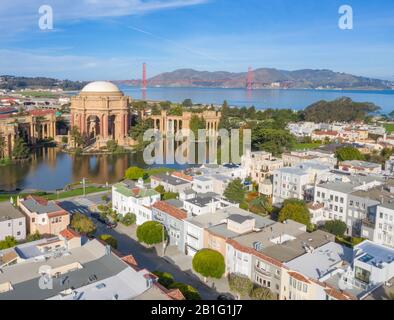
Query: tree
187, 103
129, 219
169, 195
2, 145
209, 263
151, 233
295, 210
260, 205
336, 227
113, 147
110, 240
160, 189
134, 173
8, 242
20, 151
349, 153
271, 140
260, 293
82, 224
76, 136
240, 284
342, 109
33, 237
235, 191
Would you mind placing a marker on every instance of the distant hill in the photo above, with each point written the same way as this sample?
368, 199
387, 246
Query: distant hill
267, 78
15, 83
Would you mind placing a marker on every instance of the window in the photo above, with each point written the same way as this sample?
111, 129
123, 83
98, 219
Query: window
336, 198
20, 223
351, 203
341, 200
18, 233
305, 288
318, 193
362, 275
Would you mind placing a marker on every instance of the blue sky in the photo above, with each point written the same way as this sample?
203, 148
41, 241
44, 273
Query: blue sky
109, 39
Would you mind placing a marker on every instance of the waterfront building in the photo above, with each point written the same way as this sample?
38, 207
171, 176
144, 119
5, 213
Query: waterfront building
172, 182
134, 198
43, 216
32, 126
167, 123
12, 222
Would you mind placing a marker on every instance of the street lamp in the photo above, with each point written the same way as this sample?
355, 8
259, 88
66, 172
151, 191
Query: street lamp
84, 186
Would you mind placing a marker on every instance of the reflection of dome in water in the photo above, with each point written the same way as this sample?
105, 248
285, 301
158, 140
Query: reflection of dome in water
100, 86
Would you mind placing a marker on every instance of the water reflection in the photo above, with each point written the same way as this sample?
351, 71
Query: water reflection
50, 169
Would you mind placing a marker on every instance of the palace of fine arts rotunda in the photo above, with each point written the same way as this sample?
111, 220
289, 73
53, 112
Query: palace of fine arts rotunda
101, 112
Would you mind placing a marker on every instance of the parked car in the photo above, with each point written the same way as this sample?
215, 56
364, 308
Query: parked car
224, 297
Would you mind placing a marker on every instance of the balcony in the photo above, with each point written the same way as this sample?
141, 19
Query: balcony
262, 272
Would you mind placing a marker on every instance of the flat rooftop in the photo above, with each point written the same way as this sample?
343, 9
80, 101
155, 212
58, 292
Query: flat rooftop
319, 262
374, 254
170, 179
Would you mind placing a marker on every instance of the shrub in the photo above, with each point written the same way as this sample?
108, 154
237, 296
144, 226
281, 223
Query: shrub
261, 294
82, 224
151, 233
188, 291
128, 220
240, 284
209, 263
107, 238
336, 227
165, 279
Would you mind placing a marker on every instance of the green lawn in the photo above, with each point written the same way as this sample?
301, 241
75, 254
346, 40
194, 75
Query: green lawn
389, 127
39, 94
302, 146
54, 196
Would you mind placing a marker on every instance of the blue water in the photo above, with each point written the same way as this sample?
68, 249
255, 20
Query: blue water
265, 98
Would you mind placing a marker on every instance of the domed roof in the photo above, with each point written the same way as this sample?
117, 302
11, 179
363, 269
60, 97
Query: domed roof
100, 86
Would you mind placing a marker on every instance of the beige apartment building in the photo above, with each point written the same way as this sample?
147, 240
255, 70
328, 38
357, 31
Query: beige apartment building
45, 217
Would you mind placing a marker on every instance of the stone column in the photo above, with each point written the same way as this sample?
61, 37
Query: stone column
126, 127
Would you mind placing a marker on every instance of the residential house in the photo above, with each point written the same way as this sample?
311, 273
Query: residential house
360, 167
137, 200
261, 255
171, 217
89, 272
175, 182
12, 222
43, 216
297, 182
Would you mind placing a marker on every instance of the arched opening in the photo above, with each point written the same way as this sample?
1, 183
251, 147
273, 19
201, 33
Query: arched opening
111, 127
93, 126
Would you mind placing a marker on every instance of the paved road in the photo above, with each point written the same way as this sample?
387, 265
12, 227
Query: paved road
146, 258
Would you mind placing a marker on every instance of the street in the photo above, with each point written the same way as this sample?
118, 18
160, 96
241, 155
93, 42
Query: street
146, 257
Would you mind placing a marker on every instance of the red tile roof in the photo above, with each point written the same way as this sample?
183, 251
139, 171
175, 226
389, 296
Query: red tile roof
182, 176
298, 276
171, 210
244, 249
326, 133
39, 112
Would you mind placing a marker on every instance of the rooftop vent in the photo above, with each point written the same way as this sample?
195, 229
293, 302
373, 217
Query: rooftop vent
258, 246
